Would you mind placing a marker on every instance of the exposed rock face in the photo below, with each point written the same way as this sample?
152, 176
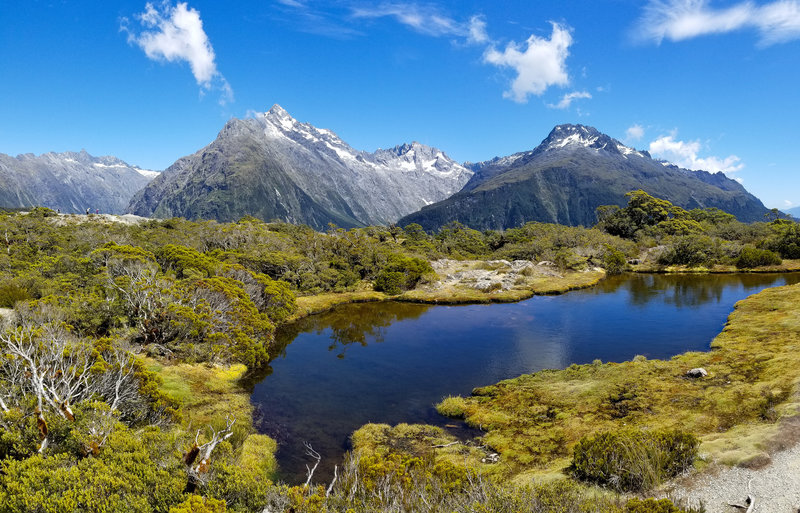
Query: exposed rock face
71, 182
572, 172
274, 167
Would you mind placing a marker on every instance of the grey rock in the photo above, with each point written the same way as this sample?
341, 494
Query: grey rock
698, 372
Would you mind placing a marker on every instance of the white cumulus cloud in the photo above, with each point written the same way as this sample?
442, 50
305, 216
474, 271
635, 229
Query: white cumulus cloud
685, 154
568, 98
175, 34
776, 22
539, 63
634, 132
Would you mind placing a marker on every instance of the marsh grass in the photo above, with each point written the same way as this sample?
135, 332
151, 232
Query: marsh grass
309, 305
534, 421
207, 394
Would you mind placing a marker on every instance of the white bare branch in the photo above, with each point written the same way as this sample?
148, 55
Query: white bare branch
314, 454
198, 471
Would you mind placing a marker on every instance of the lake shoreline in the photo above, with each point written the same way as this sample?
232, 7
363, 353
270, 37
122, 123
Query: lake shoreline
464, 295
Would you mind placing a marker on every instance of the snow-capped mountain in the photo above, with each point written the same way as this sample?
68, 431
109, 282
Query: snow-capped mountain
70, 182
274, 167
572, 172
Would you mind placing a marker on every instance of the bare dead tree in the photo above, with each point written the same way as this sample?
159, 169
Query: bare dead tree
333, 481
54, 368
198, 472
310, 470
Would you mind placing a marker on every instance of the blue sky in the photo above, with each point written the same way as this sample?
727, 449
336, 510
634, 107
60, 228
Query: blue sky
706, 84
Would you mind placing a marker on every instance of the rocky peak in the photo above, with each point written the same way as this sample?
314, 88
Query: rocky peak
563, 136
576, 136
278, 115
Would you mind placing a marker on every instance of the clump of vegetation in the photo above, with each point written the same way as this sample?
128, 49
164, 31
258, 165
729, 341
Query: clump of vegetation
613, 260
637, 505
753, 257
632, 460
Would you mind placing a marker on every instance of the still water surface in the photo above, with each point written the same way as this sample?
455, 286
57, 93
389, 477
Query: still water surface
391, 362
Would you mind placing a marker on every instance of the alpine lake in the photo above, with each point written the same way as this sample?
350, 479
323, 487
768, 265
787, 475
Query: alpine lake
391, 362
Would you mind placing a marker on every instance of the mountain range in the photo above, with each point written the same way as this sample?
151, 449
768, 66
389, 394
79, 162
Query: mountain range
70, 182
572, 172
275, 167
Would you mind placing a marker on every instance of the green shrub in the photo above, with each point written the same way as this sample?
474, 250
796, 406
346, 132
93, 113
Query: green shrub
614, 261
633, 460
10, 293
691, 250
653, 506
753, 257
197, 504
389, 282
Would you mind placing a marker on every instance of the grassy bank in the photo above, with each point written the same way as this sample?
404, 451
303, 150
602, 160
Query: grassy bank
786, 266
533, 421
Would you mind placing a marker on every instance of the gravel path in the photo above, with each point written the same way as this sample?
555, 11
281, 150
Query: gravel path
775, 487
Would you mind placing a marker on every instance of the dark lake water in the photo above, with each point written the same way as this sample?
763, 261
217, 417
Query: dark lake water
392, 362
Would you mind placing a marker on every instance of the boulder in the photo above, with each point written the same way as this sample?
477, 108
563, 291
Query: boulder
698, 372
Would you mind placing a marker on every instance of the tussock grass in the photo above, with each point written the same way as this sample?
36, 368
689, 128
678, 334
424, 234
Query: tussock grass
535, 420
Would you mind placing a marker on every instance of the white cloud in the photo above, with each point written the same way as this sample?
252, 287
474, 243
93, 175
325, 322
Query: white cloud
477, 30
634, 132
788, 203
174, 34
568, 98
425, 20
685, 154
677, 20
541, 64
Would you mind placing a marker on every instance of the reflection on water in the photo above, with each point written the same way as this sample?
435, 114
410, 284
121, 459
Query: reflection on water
360, 323
391, 362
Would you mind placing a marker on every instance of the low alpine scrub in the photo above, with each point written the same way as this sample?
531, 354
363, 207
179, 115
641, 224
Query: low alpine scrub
633, 460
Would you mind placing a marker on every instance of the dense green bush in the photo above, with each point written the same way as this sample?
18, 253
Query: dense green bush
787, 241
691, 250
633, 460
11, 292
390, 282
753, 257
614, 261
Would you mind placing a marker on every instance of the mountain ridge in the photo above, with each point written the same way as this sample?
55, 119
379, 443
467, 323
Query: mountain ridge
69, 181
574, 170
299, 173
